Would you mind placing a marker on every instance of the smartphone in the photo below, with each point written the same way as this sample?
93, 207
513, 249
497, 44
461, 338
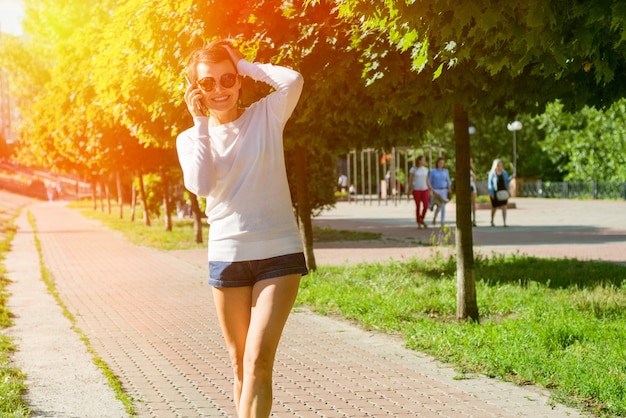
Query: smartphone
198, 105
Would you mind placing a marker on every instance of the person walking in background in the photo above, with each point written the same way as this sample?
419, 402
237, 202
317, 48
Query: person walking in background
342, 183
498, 182
442, 185
234, 157
419, 185
473, 191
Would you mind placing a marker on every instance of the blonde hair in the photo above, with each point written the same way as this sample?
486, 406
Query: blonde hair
495, 164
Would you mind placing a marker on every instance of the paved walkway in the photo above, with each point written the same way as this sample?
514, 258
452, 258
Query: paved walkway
149, 316
586, 230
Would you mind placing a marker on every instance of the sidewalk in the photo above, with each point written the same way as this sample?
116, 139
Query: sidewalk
586, 230
149, 316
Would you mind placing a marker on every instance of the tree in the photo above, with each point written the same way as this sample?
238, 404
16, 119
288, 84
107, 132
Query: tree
65, 126
587, 145
514, 56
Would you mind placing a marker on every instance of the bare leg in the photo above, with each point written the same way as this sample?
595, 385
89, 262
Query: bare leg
493, 212
233, 311
504, 214
268, 306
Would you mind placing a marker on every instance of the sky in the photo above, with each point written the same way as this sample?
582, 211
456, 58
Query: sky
11, 14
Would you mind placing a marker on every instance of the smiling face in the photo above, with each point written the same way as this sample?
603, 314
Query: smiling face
220, 99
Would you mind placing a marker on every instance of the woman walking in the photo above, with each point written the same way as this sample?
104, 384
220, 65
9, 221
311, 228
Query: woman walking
442, 185
234, 157
498, 189
419, 185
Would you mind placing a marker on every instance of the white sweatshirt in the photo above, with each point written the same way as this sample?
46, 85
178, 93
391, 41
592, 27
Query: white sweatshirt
240, 168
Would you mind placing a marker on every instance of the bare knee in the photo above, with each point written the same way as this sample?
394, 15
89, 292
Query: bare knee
259, 366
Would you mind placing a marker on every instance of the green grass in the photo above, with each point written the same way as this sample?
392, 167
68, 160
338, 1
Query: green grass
12, 380
330, 235
180, 238
557, 323
560, 324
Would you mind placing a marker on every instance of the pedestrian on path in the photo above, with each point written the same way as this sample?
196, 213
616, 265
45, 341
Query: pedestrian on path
342, 183
499, 189
419, 186
234, 157
442, 185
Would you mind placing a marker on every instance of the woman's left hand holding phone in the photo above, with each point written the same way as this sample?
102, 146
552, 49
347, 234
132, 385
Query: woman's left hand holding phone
193, 98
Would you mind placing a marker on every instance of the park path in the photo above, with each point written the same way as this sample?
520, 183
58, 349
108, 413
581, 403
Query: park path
149, 315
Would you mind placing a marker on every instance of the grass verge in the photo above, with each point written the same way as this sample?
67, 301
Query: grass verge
12, 386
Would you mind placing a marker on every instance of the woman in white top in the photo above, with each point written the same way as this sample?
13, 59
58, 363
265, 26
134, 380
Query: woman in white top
419, 184
234, 157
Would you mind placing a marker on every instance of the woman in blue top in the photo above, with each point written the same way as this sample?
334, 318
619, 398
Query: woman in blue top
498, 181
440, 182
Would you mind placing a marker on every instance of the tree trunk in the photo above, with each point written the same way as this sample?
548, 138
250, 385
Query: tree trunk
166, 200
120, 200
144, 203
303, 206
466, 306
102, 196
133, 199
107, 191
94, 192
197, 218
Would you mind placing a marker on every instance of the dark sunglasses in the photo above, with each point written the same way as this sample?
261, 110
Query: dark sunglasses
209, 83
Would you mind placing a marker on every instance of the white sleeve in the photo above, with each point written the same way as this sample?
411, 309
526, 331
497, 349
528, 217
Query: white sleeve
196, 158
286, 82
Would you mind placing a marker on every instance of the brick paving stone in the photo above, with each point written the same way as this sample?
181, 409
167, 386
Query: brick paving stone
149, 315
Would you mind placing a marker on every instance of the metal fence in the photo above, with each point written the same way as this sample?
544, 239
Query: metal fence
571, 189
383, 175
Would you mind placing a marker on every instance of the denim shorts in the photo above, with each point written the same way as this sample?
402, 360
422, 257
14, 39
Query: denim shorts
247, 273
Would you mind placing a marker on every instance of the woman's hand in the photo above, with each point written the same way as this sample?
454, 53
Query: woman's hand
235, 54
195, 101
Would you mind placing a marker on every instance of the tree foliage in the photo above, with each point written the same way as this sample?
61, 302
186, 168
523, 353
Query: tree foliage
100, 84
587, 145
514, 56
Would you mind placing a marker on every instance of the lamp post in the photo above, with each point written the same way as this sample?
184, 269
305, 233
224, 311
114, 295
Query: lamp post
514, 127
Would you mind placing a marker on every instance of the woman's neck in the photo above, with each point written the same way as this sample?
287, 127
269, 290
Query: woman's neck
222, 118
